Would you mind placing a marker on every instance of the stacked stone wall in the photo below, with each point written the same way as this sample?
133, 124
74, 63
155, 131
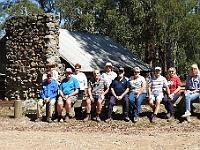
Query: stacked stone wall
32, 42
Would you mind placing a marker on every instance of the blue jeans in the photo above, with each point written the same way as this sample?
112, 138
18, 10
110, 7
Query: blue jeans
190, 97
113, 102
135, 103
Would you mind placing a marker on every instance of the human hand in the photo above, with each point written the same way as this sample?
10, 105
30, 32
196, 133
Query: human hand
65, 97
92, 99
171, 96
120, 97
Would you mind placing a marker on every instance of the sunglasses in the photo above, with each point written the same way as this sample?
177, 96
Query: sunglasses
136, 72
193, 68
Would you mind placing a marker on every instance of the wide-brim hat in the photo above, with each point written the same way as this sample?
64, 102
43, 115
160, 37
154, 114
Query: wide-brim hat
50, 64
69, 70
108, 64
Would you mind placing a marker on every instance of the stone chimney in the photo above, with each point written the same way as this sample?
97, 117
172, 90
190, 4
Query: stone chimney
32, 42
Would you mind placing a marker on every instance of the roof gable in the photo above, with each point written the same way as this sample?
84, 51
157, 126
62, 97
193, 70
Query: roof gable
93, 51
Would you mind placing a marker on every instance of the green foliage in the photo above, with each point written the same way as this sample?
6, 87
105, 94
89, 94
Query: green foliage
164, 33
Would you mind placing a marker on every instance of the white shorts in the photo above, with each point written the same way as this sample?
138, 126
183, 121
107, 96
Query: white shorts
155, 97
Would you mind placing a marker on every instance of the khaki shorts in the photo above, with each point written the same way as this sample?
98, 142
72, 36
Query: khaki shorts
71, 99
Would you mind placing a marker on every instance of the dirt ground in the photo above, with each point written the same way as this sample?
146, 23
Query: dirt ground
24, 133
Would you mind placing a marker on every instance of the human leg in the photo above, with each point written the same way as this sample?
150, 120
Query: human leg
188, 98
110, 107
132, 97
126, 107
60, 107
88, 109
51, 109
139, 101
69, 106
98, 110
40, 106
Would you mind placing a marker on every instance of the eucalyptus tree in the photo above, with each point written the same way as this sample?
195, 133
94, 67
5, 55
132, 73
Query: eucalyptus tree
10, 8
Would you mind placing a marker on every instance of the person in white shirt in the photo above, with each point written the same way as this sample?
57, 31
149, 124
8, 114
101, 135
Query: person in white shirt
155, 91
137, 92
109, 75
81, 77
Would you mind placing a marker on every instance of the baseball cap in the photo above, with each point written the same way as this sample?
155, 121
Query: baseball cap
121, 69
69, 70
158, 68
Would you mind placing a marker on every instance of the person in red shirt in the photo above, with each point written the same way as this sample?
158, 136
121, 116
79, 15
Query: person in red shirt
174, 84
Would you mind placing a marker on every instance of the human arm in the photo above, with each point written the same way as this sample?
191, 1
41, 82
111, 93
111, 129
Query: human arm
90, 94
143, 87
123, 94
54, 90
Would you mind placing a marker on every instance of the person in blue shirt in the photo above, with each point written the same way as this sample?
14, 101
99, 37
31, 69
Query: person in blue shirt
68, 91
49, 93
119, 89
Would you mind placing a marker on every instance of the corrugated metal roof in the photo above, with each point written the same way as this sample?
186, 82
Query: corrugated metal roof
93, 51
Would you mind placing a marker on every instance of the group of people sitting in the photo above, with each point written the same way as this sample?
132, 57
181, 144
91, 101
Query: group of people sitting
116, 87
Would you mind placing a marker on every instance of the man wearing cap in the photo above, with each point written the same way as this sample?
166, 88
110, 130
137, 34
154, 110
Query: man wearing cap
53, 72
155, 91
119, 89
49, 93
68, 91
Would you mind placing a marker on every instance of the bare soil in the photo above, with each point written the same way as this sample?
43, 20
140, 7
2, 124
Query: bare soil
24, 133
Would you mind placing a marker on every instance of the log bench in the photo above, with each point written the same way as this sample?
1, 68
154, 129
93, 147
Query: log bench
179, 103
17, 104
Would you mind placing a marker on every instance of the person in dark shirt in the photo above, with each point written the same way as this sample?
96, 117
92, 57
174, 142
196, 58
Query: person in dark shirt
119, 89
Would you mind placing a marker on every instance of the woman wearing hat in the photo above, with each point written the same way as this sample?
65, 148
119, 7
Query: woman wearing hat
54, 73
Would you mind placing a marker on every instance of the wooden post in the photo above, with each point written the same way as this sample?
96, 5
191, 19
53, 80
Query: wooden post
18, 109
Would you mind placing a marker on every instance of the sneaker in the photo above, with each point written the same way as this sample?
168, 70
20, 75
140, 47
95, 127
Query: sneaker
60, 119
188, 119
127, 119
187, 113
135, 119
108, 120
168, 115
86, 118
38, 119
170, 118
66, 119
153, 118
49, 120
98, 119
